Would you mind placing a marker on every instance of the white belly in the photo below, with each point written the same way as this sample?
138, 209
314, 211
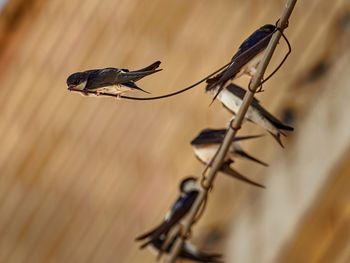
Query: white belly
230, 101
114, 89
206, 153
233, 103
250, 67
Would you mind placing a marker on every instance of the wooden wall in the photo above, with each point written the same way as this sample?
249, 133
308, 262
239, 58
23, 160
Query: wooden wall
81, 177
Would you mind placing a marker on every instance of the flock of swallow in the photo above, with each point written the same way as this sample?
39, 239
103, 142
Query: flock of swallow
205, 145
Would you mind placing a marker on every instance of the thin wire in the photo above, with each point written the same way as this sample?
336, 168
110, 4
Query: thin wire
282, 62
201, 211
279, 66
221, 153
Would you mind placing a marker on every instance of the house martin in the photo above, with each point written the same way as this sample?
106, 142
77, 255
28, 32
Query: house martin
208, 141
109, 80
232, 96
188, 194
245, 60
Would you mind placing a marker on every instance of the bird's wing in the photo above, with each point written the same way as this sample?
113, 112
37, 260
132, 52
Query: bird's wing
276, 122
239, 92
209, 136
139, 74
231, 72
215, 136
255, 43
113, 76
179, 209
240, 58
134, 75
102, 78
249, 49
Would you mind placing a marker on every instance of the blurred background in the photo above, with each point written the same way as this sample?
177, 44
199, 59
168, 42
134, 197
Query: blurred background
82, 177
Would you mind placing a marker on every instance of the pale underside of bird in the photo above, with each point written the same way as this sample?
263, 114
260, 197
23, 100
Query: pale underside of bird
232, 96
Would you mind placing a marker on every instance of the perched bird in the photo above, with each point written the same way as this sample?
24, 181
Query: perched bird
208, 141
188, 194
109, 80
245, 60
188, 251
232, 96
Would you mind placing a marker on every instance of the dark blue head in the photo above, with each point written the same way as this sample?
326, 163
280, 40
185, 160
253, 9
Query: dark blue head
258, 35
76, 79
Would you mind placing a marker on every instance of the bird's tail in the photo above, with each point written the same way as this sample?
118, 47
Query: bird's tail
249, 157
150, 67
283, 126
277, 137
139, 74
146, 235
133, 76
152, 235
213, 80
225, 168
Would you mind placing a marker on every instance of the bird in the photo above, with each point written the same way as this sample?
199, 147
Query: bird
208, 141
232, 96
188, 250
206, 155
109, 80
188, 194
245, 60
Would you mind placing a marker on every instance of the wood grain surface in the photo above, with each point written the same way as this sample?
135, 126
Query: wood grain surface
82, 177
